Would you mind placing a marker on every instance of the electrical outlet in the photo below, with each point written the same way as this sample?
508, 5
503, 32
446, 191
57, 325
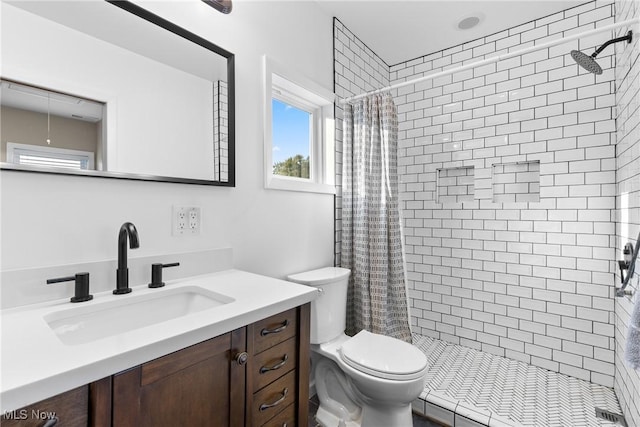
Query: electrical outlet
186, 220
193, 220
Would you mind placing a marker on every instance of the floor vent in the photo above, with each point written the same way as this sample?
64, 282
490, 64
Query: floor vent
611, 417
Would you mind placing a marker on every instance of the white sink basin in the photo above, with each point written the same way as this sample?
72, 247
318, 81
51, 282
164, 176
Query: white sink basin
81, 325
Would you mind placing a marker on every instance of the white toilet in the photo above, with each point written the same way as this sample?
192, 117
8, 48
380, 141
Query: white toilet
366, 380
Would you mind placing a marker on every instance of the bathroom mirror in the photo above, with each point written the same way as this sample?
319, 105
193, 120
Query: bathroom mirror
108, 89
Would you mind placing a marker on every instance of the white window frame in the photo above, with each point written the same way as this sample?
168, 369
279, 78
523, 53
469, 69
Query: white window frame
300, 92
14, 150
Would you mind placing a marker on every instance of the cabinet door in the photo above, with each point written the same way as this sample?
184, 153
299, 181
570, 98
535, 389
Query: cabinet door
69, 409
201, 385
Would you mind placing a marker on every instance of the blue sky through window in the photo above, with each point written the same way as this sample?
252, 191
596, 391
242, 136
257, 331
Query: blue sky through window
290, 131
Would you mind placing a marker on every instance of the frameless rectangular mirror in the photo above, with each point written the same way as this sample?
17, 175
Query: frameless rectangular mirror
108, 89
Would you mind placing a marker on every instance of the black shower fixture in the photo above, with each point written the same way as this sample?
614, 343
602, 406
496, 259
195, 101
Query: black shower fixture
588, 62
223, 6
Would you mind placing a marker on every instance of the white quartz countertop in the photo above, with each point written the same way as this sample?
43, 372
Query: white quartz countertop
36, 364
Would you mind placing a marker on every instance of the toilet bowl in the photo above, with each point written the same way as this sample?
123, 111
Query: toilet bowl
366, 380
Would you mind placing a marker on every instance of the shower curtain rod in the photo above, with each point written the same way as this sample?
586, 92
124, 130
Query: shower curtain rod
496, 58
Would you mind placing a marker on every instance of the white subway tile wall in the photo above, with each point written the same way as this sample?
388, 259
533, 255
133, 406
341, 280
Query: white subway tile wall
529, 278
357, 69
627, 381
220, 131
515, 272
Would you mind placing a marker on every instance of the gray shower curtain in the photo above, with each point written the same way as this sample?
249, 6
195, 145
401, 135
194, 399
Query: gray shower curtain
371, 240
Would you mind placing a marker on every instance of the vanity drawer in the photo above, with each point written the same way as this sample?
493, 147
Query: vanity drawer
286, 418
273, 363
271, 400
273, 330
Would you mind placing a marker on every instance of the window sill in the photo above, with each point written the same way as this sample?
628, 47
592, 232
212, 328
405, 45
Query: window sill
275, 183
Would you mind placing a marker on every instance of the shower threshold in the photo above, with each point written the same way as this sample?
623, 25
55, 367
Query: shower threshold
470, 388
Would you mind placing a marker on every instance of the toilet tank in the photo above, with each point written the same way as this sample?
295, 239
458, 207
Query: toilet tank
329, 309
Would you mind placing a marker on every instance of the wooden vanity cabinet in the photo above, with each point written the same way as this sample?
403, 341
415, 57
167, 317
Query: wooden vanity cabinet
211, 384
254, 376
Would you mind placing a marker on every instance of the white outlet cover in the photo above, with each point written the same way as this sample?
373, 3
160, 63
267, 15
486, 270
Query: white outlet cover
193, 220
186, 220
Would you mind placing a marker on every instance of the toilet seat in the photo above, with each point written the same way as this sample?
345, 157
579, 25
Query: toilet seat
383, 357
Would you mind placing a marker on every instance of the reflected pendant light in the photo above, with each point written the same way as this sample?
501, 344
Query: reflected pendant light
48, 119
223, 6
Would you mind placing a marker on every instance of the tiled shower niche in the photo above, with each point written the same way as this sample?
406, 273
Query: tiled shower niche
455, 185
516, 182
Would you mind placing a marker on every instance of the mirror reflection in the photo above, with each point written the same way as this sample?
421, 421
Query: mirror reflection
92, 87
49, 129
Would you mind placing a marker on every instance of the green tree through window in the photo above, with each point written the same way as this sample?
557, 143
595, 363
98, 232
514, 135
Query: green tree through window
295, 166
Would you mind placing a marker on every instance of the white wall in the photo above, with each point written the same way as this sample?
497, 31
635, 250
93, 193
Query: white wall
50, 220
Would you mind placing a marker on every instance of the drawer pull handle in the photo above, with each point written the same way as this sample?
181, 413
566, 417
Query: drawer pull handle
276, 366
280, 328
51, 422
266, 406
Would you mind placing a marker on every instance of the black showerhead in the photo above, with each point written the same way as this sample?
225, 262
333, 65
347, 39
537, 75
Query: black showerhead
588, 62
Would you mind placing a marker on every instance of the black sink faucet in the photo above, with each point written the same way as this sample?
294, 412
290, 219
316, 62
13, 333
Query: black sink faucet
122, 274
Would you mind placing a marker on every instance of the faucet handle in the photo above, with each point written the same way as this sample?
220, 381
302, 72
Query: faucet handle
156, 274
82, 286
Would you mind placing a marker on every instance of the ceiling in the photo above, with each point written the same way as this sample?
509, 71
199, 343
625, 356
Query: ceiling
399, 30
44, 101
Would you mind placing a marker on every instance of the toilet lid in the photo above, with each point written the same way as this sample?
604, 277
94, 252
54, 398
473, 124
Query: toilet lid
320, 276
383, 357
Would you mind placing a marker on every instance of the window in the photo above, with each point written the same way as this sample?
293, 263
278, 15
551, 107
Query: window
35, 155
291, 137
298, 132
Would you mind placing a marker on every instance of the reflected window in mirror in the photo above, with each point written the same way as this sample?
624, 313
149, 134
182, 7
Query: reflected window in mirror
46, 156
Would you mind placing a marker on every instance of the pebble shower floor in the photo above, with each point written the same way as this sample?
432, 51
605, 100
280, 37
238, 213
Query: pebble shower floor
467, 387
